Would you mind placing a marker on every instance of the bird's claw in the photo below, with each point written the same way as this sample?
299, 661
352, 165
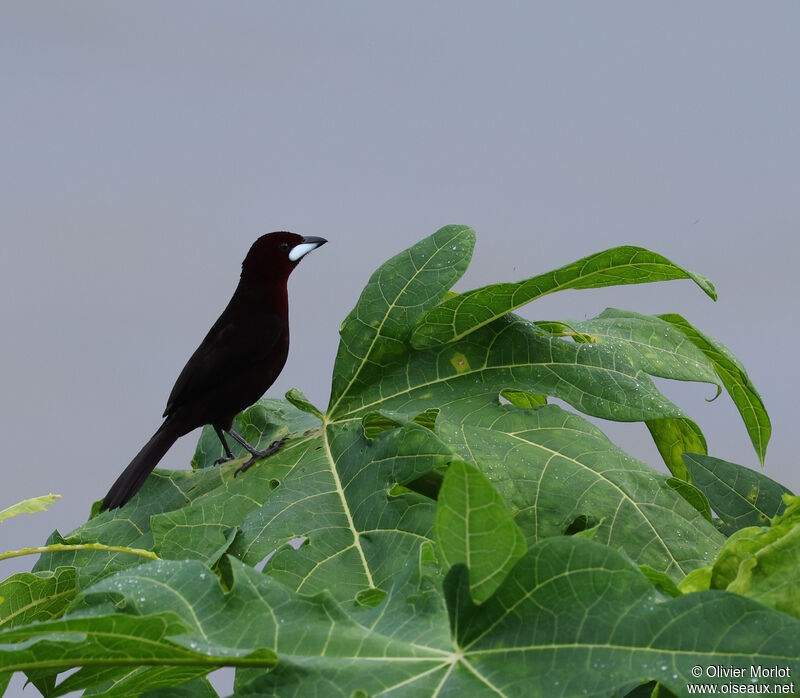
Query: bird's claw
224, 459
258, 455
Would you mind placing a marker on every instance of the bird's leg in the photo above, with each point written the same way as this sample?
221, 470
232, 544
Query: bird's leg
254, 453
228, 454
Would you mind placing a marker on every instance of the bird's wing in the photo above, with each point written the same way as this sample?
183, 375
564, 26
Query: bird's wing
232, 343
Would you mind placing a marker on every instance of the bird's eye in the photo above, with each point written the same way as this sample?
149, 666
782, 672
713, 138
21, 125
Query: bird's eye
284, 245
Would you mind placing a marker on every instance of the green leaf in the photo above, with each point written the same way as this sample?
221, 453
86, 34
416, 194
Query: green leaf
455, 318
116, 639
740, 497
287, 496
114, 681
199, 688
200, 530
660, 581
124, 529
561, 575
302, 403
763, 563
514, 354
474, 527
27, 597
376, 422
370, 597
553, 467
563, 329
29, 506
674, 437
216, 556
658, 347
692, 495
544, 617
427, 418
521, 398
44, 680
356, 533
736, 382
353, 600
376, 370
696, 580
167, 491
375, 333
259, 611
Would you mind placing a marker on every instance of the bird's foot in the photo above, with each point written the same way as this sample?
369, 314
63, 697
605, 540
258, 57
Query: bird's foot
224, 459
258, 455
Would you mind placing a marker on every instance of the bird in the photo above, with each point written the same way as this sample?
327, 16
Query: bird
237, 361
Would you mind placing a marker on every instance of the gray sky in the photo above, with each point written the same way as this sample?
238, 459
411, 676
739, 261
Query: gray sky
146, 145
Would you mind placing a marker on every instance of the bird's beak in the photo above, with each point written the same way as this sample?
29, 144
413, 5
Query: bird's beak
308, 245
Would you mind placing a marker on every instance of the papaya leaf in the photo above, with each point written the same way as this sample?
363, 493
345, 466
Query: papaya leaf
27, 597
553, 467
29, 506
736, 382
741, 497
306, 491
545, 616
660, 581
692, 495
521, 398
474, 528
375, 332
199, 688
356, 532
660, 348
448, 644
451, 445
117, 639
557, 575
760, 563
456, 317
513, 354
673, 438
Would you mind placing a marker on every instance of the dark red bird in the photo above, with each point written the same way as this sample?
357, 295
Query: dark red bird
240, 357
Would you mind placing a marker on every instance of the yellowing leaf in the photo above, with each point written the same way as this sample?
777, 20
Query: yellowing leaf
29, 506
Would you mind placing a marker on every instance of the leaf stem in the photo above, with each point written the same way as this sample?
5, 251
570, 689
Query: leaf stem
60, 547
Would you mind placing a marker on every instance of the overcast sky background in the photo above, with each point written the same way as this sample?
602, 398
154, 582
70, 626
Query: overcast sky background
144, 146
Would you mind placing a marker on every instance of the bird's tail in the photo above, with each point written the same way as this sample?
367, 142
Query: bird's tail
133, 477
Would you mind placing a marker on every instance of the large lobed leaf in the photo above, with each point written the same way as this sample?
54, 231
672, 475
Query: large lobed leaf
357, 534
343, 485
356, 531
568, 602
555, 468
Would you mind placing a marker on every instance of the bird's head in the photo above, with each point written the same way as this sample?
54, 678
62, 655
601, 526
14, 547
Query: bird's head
278, 253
